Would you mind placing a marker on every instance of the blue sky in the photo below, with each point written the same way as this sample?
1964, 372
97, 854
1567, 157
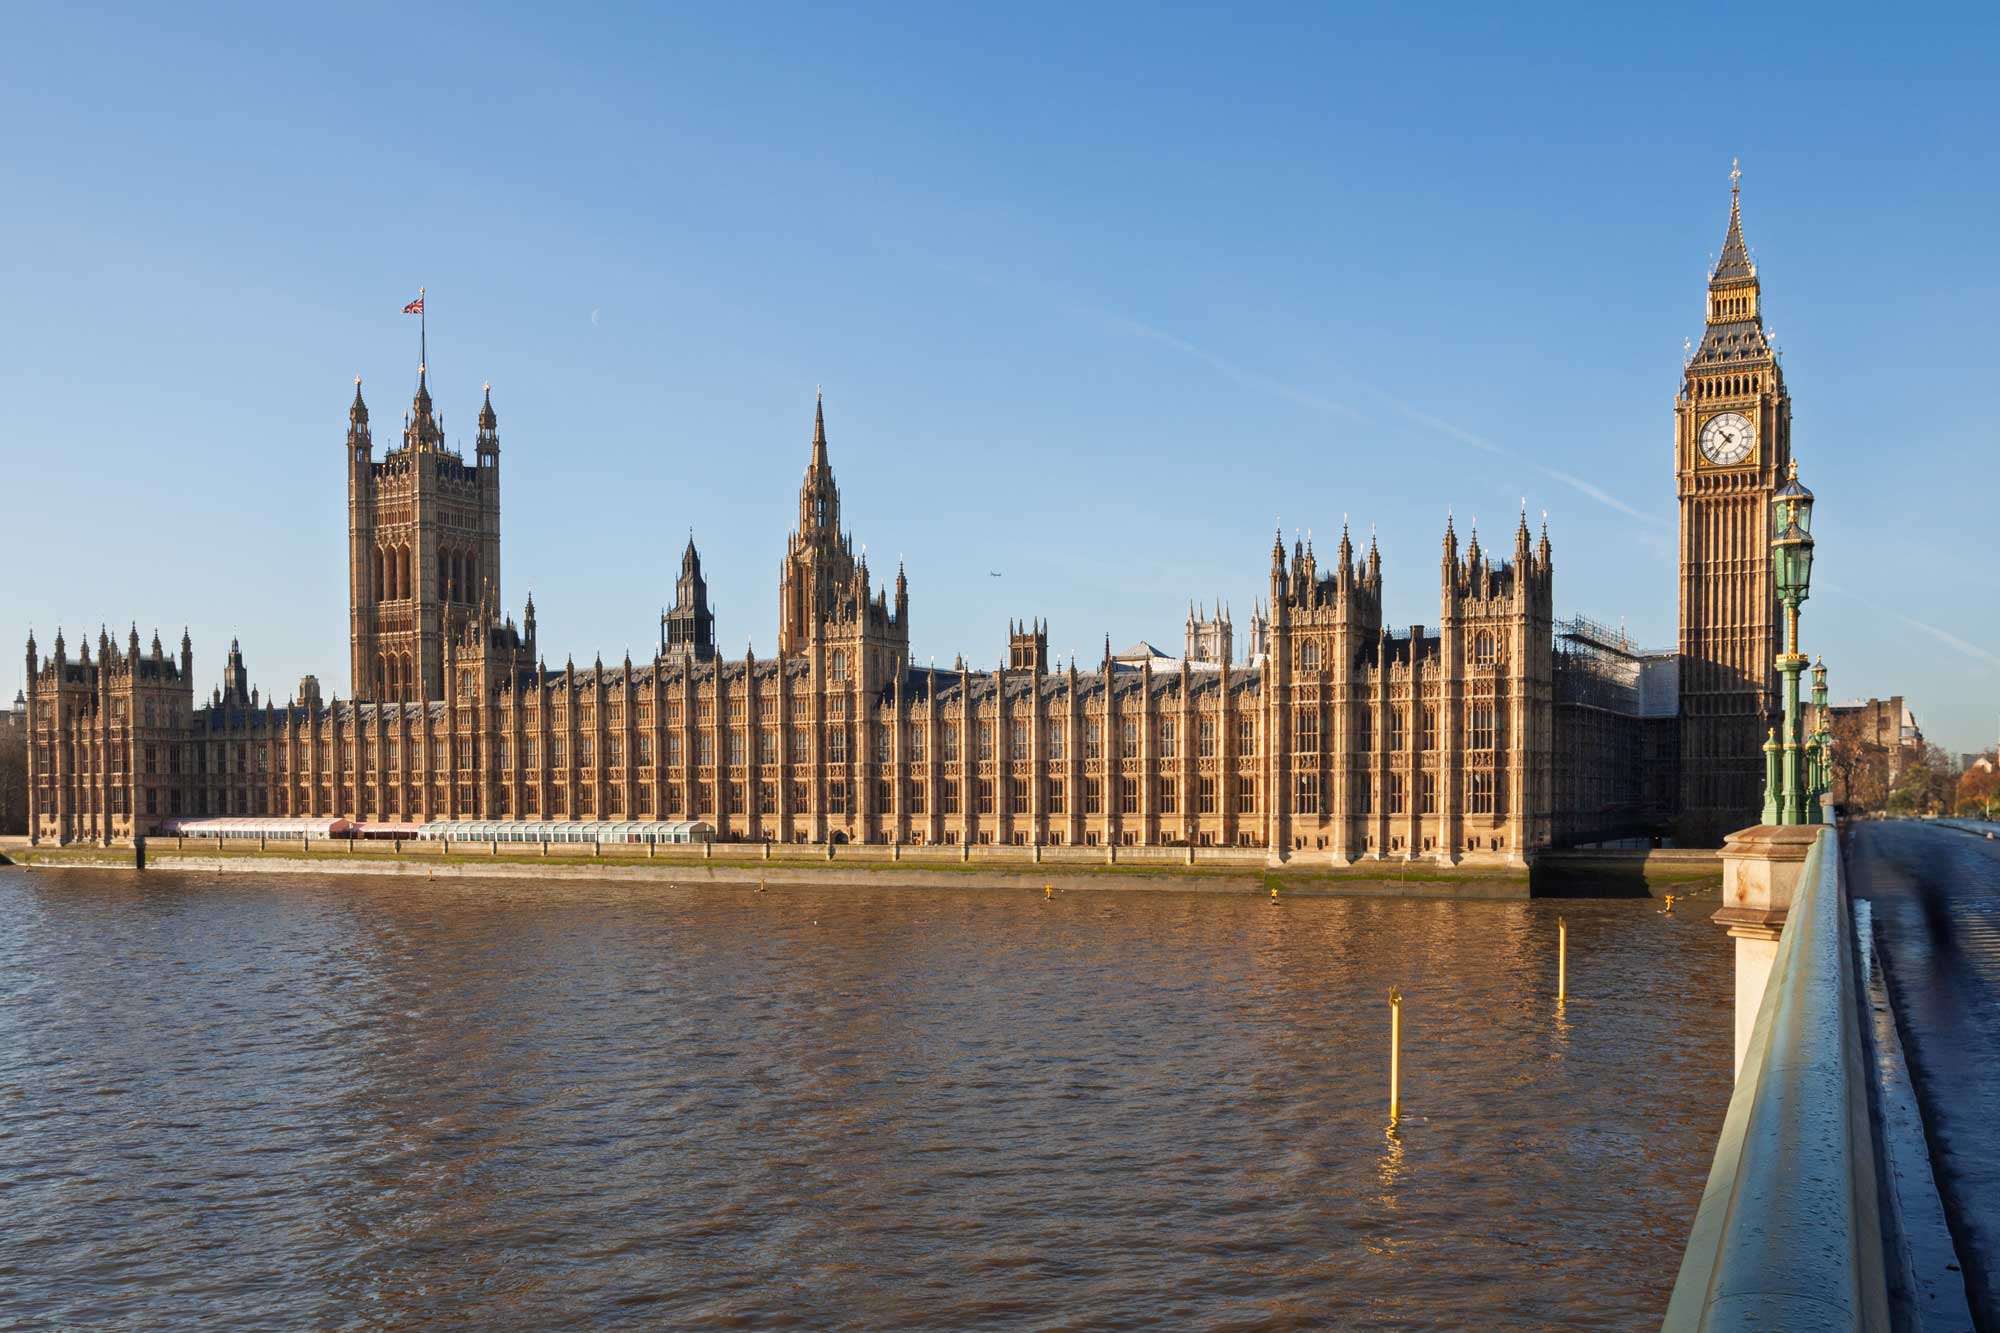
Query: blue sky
1097, 295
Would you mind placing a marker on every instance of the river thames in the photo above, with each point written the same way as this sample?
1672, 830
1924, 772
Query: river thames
344, 1102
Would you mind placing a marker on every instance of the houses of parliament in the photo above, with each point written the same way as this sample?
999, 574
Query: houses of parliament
1482, 738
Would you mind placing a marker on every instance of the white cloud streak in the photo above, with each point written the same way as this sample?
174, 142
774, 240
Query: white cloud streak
1249, 379
1944, 636
1262, 383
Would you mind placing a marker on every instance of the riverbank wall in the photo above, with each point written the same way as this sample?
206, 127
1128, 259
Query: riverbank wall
1217, 870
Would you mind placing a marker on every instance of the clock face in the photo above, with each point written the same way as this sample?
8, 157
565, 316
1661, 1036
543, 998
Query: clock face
1727, 437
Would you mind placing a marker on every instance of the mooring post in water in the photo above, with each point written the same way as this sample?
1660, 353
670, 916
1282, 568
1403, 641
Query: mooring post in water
1562, 960
1395, 1055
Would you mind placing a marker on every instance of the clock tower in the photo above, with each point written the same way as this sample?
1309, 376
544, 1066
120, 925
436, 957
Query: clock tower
1732, 442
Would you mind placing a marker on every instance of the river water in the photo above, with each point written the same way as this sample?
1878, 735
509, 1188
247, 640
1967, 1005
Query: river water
298, 1101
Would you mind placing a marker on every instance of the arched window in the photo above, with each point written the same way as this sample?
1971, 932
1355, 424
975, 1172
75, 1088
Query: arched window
839, 668
1482, 649
1309, 656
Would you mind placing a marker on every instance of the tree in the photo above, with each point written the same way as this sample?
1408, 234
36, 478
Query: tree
1923, 785
1978, 794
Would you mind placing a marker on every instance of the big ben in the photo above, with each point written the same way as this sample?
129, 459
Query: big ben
1732, 442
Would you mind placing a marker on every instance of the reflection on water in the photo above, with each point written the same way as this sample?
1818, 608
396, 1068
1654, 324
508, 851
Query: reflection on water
382, 1103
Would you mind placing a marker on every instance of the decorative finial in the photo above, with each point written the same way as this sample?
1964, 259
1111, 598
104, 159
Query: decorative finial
1792, 471
1735, 174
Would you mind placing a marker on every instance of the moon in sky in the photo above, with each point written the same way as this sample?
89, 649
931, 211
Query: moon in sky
593, 317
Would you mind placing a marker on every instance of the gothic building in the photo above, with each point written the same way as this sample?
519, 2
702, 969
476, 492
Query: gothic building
1337, 740
1348, 742
423, 546
1732, 444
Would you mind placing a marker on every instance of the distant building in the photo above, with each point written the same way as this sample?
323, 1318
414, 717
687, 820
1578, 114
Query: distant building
1210, 641
1873, 739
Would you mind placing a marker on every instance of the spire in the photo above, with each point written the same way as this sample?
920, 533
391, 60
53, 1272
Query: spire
1734, 265
421, 430
357, 412
819, 427
487, 421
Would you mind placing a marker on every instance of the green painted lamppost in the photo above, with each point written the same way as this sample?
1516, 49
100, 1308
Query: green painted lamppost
1791, 560
1820, 749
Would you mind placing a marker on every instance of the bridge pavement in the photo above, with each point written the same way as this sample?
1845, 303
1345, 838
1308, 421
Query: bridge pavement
1935, 895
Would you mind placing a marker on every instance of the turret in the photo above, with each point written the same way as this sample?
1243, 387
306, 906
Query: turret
360, 447
187, 656
489, 425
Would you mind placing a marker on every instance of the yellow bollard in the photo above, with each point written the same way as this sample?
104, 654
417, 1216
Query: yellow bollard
1048, 891
1562, 960
1395, 1055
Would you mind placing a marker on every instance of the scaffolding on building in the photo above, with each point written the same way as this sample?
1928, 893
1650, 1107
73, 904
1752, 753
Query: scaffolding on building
1617, 740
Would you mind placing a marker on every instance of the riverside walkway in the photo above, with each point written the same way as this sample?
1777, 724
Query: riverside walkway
1934, 893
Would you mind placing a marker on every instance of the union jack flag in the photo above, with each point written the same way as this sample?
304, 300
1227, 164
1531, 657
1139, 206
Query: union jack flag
415, 307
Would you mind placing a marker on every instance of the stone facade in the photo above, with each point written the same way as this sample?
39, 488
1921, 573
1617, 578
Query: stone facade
1344, 741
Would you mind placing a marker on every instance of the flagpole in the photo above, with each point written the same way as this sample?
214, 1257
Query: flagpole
423, 332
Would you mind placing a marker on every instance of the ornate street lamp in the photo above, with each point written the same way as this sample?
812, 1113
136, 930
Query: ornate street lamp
1819, 748
1791, 561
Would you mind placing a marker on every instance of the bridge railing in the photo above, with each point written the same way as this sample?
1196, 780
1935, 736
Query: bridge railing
1788, 1234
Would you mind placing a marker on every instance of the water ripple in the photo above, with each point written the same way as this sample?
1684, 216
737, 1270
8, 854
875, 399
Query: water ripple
348, 1103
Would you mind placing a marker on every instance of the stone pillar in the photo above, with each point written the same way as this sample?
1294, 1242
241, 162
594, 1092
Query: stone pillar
1760, 873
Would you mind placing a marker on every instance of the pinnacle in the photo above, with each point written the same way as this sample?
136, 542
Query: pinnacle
1734, 265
